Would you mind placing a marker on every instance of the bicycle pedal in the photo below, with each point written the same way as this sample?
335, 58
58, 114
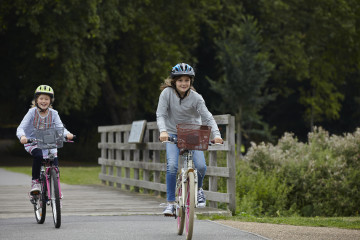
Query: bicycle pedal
35, 193
169, 215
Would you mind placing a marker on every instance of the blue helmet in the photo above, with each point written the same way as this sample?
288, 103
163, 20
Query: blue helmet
182, 69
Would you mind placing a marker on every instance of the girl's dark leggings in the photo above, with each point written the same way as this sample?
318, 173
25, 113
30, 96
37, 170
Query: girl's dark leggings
38, 156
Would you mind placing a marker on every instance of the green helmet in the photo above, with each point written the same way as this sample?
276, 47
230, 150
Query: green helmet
44, 89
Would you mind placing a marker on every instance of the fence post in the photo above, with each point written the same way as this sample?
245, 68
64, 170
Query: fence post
231, 182
103, 155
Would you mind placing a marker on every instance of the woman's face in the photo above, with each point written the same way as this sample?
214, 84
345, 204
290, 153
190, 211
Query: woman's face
183, 84
43, 101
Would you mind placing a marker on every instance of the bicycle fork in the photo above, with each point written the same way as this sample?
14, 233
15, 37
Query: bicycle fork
48, 169
183, 179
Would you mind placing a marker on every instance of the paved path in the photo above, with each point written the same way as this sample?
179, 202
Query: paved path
98, 212
80, 200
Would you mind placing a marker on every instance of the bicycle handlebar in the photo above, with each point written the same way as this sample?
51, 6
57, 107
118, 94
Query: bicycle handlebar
174, 140
33, 140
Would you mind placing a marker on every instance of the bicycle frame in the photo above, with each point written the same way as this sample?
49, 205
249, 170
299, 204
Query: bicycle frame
188, 166
46, 168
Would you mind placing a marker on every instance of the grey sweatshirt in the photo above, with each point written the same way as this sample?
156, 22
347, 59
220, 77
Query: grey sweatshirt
191, 109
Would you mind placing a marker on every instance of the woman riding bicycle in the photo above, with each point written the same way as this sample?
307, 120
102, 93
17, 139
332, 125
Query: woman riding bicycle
40, 116
180, 103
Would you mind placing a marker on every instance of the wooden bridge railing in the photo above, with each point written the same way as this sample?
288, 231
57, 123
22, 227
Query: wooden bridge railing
143, 166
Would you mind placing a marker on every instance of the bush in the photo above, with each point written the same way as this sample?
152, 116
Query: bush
318, 178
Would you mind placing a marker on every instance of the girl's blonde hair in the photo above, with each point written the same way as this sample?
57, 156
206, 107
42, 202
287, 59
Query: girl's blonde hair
170, 82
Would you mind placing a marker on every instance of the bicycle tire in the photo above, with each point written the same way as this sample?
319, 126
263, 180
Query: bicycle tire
181, 212
190, 206
40, 205
55, 198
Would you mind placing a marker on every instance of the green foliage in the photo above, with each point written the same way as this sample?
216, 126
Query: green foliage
106, 59
319, 178
70, 175
259, 193
313, 43
246, 69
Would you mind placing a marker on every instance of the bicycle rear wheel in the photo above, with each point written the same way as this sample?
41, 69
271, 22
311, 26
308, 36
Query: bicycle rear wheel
40, 203
55, 198
190, 205
180, 211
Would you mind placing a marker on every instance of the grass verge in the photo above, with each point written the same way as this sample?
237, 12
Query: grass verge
70, 175
337, 222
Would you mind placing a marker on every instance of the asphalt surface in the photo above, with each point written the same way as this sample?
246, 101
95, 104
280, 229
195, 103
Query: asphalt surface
97, 212
115, 227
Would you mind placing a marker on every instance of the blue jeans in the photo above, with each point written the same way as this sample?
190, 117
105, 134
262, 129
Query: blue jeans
172, 158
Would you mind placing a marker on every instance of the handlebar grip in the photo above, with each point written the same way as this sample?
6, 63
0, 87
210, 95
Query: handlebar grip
30, 140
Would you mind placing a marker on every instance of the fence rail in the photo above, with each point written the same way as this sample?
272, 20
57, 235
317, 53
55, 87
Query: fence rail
143, 165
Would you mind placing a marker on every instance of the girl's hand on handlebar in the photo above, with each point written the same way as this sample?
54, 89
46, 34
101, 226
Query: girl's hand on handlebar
23, 140
69, 136
217, 140
164, 136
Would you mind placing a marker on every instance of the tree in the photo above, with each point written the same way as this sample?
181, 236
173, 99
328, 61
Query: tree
246, 69
313, 48
58, 43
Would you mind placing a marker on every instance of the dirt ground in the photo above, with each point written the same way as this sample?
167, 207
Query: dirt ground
289, 232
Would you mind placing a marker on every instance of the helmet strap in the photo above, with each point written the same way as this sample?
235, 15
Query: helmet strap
181, 98
40, 109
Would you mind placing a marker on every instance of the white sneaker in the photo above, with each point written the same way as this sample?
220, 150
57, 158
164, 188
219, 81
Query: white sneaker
169, 211
201, 198
35, 187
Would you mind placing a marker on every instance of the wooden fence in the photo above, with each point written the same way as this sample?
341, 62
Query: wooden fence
143, 166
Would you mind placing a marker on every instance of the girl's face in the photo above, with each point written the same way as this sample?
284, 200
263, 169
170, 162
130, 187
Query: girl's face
43, 101
183, 84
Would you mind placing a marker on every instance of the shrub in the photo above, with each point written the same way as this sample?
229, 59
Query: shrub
318, 178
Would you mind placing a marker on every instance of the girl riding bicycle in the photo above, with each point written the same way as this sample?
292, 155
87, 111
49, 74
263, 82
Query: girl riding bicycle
40, 116
180, 103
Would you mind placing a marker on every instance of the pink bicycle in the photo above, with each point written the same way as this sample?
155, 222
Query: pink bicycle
189, 137
50, 193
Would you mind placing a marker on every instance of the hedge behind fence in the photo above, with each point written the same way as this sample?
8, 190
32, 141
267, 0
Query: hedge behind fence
317, 178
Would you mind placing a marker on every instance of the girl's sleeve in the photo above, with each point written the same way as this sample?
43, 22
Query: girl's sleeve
59, 124
207, 118
162, 110
20, 131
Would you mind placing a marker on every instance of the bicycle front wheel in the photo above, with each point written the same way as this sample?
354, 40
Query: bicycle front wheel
180, 211
55, 198
40, 203
190, 205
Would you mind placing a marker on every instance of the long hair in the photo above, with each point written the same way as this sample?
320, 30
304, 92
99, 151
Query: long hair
170, 82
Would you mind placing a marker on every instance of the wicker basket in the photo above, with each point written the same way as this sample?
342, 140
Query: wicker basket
193, 136
50, 138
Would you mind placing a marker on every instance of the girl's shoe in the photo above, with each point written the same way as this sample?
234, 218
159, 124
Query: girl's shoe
35, 187
169, 211
201, 198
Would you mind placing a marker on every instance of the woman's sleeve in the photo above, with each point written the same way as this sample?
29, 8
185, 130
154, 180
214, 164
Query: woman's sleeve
162, 110
20, 131
207, 118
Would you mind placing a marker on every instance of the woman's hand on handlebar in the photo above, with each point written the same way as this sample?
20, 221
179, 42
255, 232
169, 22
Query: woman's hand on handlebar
23, 140
164, 136
217, 140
